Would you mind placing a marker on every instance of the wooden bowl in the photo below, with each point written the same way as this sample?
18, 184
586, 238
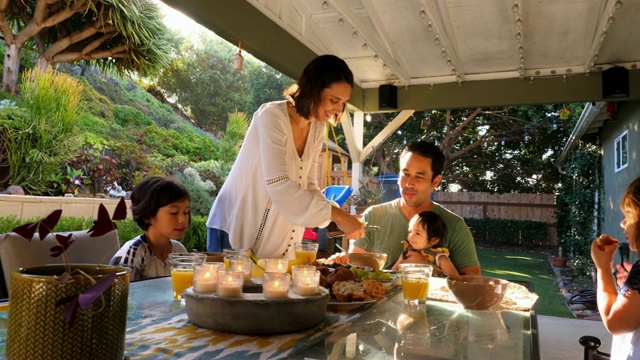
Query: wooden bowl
477, 292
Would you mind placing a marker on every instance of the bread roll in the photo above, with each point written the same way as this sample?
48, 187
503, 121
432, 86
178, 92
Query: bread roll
604, 240
348, 291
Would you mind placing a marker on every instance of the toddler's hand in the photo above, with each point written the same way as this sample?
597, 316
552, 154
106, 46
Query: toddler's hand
623, 272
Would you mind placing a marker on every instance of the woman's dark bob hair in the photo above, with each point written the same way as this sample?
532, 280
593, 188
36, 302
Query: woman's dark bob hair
152, 193
319, 74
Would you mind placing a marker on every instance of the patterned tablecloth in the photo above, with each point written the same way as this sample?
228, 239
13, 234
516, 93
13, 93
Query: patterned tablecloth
174, 336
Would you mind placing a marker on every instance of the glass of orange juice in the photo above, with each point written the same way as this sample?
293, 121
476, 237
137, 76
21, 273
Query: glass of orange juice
415, 284
229, 254
306, 249
182, 265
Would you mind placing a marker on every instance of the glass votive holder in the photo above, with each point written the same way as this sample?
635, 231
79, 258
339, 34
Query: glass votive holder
305, 269
276, 265
306, 283
227, 254
230, 283
241, 264
275, 285
205, 277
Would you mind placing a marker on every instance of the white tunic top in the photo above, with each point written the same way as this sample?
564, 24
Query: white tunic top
271, 193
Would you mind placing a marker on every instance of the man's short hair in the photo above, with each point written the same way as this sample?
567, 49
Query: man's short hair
430, 151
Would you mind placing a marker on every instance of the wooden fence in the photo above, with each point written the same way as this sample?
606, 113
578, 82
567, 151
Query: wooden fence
535, 207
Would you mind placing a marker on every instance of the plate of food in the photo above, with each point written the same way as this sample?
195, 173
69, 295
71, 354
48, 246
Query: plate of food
352, 294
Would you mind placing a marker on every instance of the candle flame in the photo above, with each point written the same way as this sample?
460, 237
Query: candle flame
207, 275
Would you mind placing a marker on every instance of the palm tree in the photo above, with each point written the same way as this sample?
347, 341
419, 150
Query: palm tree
120, 34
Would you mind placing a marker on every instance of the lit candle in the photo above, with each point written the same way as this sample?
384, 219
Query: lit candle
276, 265
275, 285
301, 269
205, 278
244, 265
230, 283
306, 283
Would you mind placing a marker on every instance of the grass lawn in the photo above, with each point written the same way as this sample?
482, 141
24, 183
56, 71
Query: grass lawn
527, 266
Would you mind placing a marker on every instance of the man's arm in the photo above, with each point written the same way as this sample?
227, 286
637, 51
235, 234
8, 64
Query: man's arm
474, 270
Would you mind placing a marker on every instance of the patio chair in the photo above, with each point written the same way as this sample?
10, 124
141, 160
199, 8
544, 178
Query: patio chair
17, 252
591, 345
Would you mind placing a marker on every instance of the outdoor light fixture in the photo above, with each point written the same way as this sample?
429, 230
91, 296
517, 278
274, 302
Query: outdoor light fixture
341, 22
368, 117
325, 5
238, 59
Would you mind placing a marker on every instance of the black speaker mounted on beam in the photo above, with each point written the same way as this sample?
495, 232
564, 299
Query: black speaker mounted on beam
615, 83
387, 97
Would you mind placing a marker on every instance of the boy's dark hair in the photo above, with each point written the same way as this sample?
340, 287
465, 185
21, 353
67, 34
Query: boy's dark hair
152, 193
434, 224
318, 75
430, 151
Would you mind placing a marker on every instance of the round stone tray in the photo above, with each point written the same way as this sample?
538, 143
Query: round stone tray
252, 314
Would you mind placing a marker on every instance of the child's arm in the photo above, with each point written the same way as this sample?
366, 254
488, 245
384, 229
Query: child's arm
398, 262
446, 265
619, 312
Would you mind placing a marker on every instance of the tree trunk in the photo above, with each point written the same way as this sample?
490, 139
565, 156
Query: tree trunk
11, 68
42, 64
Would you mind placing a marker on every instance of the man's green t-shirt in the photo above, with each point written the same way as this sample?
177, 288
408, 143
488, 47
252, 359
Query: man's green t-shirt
394, 228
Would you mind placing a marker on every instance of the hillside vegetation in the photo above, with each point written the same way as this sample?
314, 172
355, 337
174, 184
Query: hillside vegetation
113, 130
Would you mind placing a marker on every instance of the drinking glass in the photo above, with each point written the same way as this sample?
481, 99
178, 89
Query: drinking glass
403, 267
228, 254
415, 284
306, 249
182, 265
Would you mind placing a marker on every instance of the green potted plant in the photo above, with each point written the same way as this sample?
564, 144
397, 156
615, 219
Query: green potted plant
68, 311
366, 196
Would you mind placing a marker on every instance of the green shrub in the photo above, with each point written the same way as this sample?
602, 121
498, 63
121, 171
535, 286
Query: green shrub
196, 236
46, 139
522, 233
127, 116
199, 191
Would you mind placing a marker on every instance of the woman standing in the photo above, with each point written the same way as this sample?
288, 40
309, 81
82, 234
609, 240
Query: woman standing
271, 193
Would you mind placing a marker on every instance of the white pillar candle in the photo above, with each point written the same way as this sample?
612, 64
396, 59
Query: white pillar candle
306, 283
205, 277
301, 269
275, 285
276, 265
230, 283
244, 265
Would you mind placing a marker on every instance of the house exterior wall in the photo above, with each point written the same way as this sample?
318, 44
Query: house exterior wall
615, 183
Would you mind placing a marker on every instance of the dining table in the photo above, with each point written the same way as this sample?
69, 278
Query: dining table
158, 327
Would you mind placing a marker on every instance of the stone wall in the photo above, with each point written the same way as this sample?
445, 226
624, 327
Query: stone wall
27, 207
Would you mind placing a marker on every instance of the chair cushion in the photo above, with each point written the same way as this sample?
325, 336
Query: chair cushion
17, 252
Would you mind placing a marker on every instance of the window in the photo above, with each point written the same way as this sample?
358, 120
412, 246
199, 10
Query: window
621, 153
